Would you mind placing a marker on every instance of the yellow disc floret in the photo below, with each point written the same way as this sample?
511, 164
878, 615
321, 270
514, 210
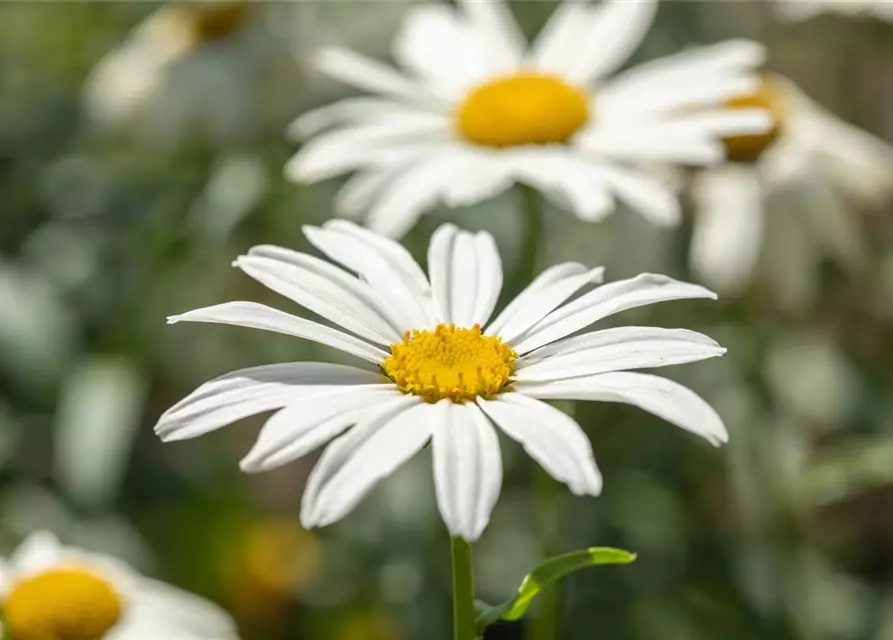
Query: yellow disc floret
749, 148
450, 362
523, 109
62, 604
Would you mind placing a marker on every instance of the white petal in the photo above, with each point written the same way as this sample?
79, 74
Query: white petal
558, 41
38, 551
442, 48
648, 142
440, 265
489, 277
361, 109
540, 304
397, 288
348, 148
484, 174
365, 73
616, 28
322, 288
496, 27
351, 465
550, 437
362, 189
728, 226
608, 299
258, 316
547, 278
617, 349
644, 194
467, 468
664, 398
307, 423
175, 612
246, 392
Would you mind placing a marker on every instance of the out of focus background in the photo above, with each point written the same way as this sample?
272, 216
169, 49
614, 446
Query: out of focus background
142, 148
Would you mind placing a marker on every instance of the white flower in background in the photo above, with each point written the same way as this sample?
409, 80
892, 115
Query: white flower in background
473, 110
189, 70
797, 10
787, 195
434, 374
50, 592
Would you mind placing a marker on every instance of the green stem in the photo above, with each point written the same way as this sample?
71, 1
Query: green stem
533, 234
463, 592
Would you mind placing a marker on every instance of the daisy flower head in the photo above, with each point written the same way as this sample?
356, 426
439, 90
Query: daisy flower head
52, 592
786, 194
472, 110
438, 369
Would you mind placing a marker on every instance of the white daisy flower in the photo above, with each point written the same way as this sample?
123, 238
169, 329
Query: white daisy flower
188, 69
797, 10
434, 374
473, 111
792, 188
51, 591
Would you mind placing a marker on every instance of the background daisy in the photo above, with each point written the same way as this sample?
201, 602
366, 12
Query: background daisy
473, 110
48, 591
787, 196
441, 377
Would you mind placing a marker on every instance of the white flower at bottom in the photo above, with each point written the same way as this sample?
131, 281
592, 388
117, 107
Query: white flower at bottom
472, 110
435, 374
50, 592
786, 195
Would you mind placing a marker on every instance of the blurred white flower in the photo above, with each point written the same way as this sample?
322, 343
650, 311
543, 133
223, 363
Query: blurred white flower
51, 591
435, 375
787, 195
189, 70
472, 111
797, 10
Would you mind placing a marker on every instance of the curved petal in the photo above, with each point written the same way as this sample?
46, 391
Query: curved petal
497, 30
608, 299
467, 468
38, 551
246, 392
354, 463
258, 316
550, 437
177, 612
645, 194
728, 226
307, 423
615, 30
360, 109
362, 190
324, 289
557, 43
664, 398
617, 349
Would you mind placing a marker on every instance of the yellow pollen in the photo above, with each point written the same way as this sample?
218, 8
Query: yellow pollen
749, 148
522, 109
450, 362
62, 604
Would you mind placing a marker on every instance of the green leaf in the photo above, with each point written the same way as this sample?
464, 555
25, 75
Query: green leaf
548, 572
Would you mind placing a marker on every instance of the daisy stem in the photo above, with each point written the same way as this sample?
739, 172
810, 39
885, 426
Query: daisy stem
463, 592
533, 233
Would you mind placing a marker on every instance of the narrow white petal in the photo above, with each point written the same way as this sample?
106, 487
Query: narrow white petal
307, 423
484, 175
440, 264
608, 299
362, 109
550, 276
489, 277
354, 463
362, 189
39, 550
543, 302
497, 29
647, 142
322, 288
728, 226
365, 73
397, 289
644, 194
167, 612
463, 279
616, 29
617, 349
246, 392
664, 398
550, 437
258, 316
467, 468
558, 42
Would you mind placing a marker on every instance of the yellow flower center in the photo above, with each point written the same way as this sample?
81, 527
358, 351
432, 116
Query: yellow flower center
749, 148
62, 604
209, 21
527, 108
450, 362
